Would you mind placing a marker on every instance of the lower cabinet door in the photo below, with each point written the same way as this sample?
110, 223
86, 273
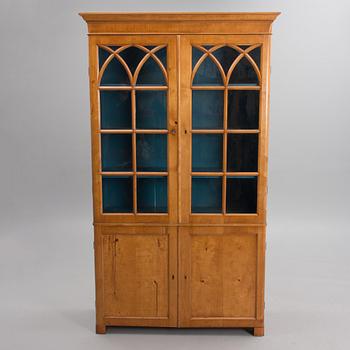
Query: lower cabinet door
136, 267
221, 276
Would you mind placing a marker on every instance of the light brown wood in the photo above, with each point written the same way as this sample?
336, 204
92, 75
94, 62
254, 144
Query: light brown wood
179, 269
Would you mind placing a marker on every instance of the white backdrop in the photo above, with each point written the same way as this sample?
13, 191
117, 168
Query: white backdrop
46, 262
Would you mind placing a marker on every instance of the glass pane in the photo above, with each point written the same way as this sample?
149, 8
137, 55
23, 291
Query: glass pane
206, 152
242, 152
104, 54
243, 109
152, 194
115, 109
151, 73
244, 74
116, 152
241, 194
132, 56
151, 110
117, 194
255, 55
151, 152
226, 55
207, 73
206, 194
161, 54
115, 73
207, 109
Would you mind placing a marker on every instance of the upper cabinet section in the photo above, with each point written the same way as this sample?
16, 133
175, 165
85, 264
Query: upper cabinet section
180, 23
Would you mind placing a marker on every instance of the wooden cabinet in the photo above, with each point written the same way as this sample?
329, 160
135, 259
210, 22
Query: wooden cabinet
179, 128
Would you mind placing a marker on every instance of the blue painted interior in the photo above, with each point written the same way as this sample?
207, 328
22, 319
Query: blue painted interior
207, 73
151, 110
226, 55
207, 109
241, 194
116, 152
117, 194
152, 194
244, 74
115, 73
151, 152
243, 109
150, 73
242, 152
206, 152
206, 194
115, 109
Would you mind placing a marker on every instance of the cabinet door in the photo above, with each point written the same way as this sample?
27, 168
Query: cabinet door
221, 276
223, 111
134, 128
136, 275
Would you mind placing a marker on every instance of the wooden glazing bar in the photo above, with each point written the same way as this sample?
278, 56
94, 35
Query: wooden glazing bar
133, 124
243, 131
115, 131
207, 173
152, 131
207, 131
116, 173
243, 87
152, 173
135, 87
207, 87
224, 152
130, 173
224, 173
222, 131
129, 131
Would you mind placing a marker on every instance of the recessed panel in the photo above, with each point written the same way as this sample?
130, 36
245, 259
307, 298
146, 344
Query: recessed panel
243, 109
115, 109
152, 194
151, 110
116, 152
241, 194
117, 194
151, 152
242, 152
206, 194
206, 152
135, 275
207, 109
223, 274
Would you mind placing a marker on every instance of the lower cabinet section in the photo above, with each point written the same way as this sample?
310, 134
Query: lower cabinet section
179, 277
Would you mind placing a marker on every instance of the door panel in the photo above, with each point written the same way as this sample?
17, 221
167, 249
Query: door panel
139, 275
223, 93
134, 128
220, 276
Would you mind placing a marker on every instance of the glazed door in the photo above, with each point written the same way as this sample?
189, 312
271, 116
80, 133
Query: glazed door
134, 128
223, 184
134, 151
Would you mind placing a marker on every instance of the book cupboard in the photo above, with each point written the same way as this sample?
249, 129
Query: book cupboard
179, 128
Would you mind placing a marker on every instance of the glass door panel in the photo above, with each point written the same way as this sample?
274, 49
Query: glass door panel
225, 86
135, 95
